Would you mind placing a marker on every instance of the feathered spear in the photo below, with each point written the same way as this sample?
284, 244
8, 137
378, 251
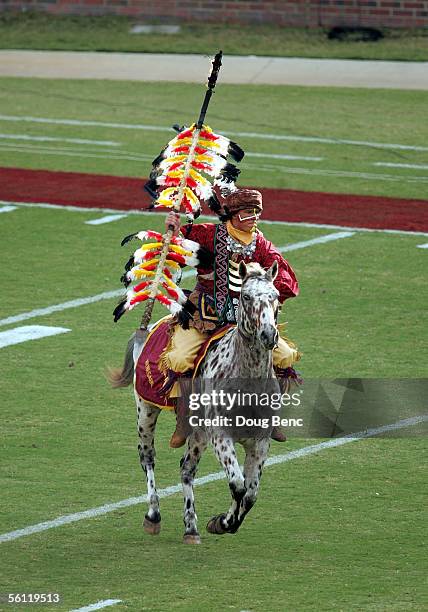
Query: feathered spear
178, 171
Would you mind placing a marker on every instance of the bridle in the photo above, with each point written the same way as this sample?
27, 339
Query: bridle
251, 338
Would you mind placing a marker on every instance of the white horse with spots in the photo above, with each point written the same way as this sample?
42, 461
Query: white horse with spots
245, 352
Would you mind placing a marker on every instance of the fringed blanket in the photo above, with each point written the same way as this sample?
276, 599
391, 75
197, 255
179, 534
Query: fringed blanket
151, 373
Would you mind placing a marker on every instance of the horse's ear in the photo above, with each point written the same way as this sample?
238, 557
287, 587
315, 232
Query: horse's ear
272, 273
242, 270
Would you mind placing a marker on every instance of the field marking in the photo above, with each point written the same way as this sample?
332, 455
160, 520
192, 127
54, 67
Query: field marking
261, 167
128, 155
339, 173
107, 219
318, 240
5, 209
105, 603
70, 153
107, 143
214, 476
261, 135
423, 246
134, 211
391, 165
39, 312
28, 332
280, 156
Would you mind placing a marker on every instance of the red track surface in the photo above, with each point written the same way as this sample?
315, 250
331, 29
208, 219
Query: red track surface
92, 190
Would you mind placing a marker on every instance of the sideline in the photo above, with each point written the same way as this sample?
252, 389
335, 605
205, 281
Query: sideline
39, 312
172, 490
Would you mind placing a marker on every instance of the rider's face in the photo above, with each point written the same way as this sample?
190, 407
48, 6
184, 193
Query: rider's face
246, 219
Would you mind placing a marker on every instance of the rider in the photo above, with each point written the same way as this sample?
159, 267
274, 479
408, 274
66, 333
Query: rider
216, 295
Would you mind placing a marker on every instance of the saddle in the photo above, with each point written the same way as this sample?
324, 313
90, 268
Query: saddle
151, 372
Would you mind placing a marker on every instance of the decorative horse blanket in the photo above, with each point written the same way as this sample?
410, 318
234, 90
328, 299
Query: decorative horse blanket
151, 372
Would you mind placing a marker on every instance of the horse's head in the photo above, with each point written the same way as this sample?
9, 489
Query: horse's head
258, 308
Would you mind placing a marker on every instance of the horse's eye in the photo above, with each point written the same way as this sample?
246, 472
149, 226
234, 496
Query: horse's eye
246, 296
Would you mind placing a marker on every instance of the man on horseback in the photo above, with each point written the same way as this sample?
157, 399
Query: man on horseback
214, 300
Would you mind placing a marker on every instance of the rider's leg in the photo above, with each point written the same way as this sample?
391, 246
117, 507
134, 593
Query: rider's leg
284, 355
185, 344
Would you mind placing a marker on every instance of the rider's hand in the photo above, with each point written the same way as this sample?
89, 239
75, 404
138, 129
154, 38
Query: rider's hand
173, 218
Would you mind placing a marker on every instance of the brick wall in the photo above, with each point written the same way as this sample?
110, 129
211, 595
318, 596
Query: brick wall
302, 13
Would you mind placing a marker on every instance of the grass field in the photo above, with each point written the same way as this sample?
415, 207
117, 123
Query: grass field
32, 30
339, 529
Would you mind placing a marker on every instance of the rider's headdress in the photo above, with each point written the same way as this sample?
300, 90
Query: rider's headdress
237, 200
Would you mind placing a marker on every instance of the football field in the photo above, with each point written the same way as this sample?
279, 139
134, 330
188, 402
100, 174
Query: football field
336, 527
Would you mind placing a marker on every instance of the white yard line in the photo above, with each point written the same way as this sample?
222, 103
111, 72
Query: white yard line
127, 155
107, 219
119, 292
279, 156
423, 246
411, 166
172, 490
70, 153
105, 603
83, 209
25, 149
318, 240
260, 135
28, 332
373, 176
106, 143
5, 209
40, 312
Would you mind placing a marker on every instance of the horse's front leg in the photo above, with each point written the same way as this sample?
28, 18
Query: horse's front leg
196, 444
256, 453
226, 454
147, 416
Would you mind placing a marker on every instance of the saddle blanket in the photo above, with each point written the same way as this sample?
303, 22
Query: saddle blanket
151, 372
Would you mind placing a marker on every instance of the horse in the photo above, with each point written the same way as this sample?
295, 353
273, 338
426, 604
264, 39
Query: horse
243, 353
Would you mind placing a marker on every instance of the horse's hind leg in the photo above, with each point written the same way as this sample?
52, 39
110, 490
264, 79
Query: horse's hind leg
147, 416
196, 444
226, 454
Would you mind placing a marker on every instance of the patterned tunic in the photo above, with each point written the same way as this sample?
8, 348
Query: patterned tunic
206, 296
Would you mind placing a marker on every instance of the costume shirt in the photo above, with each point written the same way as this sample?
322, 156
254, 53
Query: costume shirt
265, 254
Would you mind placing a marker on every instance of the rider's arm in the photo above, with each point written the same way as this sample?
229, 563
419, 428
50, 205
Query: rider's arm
286, 281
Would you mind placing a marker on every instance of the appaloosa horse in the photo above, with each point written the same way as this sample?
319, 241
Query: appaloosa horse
243, 353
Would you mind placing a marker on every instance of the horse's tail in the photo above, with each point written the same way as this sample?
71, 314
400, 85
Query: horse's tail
122, 377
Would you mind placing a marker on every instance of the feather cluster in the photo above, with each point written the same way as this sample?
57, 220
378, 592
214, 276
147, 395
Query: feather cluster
190, 166
142, 267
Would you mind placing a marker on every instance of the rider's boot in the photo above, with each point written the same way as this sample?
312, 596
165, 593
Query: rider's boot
182, 427
285, 377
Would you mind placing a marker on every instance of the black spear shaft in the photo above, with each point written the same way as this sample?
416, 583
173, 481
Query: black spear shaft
212, 80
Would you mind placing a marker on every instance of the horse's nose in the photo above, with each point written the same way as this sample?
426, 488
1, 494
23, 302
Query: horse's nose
269, 338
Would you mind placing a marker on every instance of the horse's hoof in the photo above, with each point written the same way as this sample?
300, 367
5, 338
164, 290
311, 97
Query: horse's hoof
150, 527
189, 538
214, 525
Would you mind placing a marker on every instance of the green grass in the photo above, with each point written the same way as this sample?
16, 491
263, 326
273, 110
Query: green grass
370, 116
107, 33
337, 530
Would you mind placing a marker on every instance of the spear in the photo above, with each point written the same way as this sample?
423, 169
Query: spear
141, 333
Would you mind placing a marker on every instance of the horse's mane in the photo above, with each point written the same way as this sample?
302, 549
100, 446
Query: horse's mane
254, 269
